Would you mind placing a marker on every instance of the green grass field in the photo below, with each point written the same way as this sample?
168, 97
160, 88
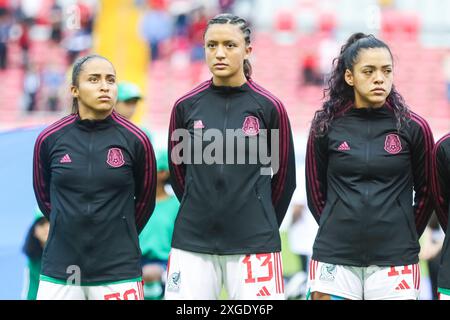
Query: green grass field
291, 263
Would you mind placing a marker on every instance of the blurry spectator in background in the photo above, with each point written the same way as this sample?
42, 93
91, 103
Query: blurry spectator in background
25, 42
180, 54
52, 80
180, 11
29, 10
328, 46
179, 42
33, 247
26, 13
309, 69
87, 9
156, 28
328, 50
226, 6
156, 236
79, 40
128, 96
31, 84
155, 240
76, 43
301, 234
197, 27
3, 6
5, 26
430, 251
56, 15
181, 25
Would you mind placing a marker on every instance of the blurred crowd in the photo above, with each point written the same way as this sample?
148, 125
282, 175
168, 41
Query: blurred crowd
64, 29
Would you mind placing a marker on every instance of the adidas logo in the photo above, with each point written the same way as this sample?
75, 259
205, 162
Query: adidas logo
403, 285
65, 159
263, 292
344, 146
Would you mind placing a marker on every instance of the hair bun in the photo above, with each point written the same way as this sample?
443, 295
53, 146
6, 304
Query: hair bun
353, 38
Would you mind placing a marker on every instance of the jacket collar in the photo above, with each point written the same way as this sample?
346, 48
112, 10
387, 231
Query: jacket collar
229, 89
94, 125
384, 109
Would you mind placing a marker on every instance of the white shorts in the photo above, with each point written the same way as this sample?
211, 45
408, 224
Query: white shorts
198, 276
116, 291
443, 296
365, 283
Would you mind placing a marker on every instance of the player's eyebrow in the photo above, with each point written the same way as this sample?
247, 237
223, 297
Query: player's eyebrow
374, 67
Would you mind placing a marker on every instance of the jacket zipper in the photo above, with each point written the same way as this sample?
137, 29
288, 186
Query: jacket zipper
91, 136
366, 191
225, 123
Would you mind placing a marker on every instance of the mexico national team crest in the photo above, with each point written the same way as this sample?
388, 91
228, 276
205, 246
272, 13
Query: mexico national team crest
250, 126
327, 272
392, 144
115, 158
173, 281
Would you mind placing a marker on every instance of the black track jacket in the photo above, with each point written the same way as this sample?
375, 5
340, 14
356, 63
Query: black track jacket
231, 208
442, 198
95, 181
360, 179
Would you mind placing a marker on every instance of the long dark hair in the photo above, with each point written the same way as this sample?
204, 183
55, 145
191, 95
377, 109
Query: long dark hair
225, 18
338, 94
76, 70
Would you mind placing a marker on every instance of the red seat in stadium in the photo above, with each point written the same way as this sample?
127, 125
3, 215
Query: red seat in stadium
396, 25
327, 23
284, 21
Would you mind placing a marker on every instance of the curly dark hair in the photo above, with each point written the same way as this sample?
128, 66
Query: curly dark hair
339, 95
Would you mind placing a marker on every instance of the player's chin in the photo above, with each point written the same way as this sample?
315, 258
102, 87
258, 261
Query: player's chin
222, 73
378, 100
104, 106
